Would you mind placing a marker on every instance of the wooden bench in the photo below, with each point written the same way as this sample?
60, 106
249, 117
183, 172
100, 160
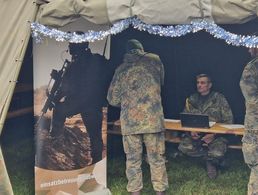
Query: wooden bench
172, 126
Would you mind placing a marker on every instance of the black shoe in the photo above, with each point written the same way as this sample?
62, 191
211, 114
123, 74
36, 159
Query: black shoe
211, 170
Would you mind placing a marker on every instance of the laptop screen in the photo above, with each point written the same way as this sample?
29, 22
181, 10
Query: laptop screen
194, 120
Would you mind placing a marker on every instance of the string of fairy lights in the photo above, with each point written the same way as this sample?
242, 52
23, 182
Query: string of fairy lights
40, 31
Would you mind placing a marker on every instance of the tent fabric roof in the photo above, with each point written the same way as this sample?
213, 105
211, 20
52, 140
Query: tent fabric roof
56, 13
15, 34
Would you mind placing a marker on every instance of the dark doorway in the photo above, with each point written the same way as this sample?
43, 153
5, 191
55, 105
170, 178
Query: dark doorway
189, 55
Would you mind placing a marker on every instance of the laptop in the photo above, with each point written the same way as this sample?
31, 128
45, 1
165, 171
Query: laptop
194, 120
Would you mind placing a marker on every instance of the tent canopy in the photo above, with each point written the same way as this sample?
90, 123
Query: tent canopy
58, 13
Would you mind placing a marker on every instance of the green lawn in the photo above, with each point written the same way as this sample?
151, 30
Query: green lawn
19, 158
17, 143
187, 176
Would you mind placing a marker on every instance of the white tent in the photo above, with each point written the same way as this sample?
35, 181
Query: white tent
17, 15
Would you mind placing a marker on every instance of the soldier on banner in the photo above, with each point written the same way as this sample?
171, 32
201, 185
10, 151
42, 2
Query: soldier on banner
83, 91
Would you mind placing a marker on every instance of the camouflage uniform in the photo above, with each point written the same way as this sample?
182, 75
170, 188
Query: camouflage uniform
217, 108
249, 87
136, 88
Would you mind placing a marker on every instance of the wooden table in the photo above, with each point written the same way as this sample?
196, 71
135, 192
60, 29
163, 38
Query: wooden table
172, 126
217, 128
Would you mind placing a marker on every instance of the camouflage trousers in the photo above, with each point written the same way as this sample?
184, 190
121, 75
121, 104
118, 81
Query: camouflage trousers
214, 152
155, 147
250, 151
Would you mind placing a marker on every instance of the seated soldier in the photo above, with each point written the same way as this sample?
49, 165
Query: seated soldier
217, 108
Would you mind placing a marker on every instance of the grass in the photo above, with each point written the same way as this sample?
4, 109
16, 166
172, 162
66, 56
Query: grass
187, 176
17, 144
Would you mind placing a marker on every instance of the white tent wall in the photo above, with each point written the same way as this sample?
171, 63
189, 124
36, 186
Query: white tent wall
15, 34
57, 13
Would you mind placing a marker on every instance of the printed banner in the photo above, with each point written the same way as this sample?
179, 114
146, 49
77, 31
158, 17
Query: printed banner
70, 134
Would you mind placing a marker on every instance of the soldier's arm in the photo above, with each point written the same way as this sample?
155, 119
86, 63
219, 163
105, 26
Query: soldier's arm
189, 107
114, 91
208, 138
250, 79
227, 116
159, 66
162, 73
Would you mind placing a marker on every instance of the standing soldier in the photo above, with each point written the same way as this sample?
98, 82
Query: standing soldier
136, 88
217, 108
249, 87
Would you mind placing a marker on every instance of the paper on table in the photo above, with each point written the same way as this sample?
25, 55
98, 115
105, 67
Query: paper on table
211, 123
233, 126
172, 120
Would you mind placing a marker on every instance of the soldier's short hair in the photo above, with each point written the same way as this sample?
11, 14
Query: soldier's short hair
204, 75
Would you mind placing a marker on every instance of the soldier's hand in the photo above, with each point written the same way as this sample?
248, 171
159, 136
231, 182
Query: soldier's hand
195, 135
62, 99
208, 138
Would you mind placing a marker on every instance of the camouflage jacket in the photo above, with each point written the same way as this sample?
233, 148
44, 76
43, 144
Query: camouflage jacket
136, 88
215, 106
249, 87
